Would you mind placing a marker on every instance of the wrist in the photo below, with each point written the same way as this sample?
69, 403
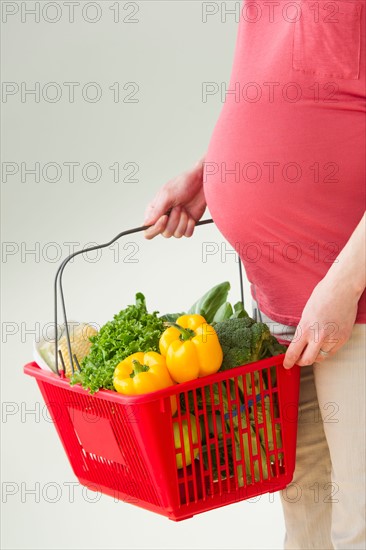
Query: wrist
348, 272
196, 173
198, 168
346, 279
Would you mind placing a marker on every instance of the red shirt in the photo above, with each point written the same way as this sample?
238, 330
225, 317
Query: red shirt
284, 173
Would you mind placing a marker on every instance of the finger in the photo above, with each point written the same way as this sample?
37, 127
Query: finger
324, 351
294, 350
157, 228
150, 215
182, 225
173, 222
158, 207
332, 344
324, 347
190, 227
309, 355
320, 358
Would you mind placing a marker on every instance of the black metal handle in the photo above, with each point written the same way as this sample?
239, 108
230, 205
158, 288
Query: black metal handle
60, 271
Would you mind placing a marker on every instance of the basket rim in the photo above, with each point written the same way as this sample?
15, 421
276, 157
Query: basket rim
33, 369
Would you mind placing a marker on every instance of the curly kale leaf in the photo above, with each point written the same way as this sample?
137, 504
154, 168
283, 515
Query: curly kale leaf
132, 329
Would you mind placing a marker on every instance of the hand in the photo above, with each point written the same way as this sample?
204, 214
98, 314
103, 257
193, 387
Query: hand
184, 197
326, 323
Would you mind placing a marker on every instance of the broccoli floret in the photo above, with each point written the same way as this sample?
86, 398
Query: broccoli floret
242, 341
273, 347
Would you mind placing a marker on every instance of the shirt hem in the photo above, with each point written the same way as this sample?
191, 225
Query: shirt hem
292, 321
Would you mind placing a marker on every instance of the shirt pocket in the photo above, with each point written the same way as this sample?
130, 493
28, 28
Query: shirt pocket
327, 38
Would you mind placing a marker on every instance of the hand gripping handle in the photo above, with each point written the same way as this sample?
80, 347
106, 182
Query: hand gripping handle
58, 286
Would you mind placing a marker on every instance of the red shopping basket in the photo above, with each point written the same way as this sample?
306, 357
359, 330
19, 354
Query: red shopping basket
233, 436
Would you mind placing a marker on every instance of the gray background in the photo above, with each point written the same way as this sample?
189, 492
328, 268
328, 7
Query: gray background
168, 52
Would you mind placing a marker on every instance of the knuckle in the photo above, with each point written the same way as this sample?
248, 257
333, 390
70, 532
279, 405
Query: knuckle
292, 355
307, 361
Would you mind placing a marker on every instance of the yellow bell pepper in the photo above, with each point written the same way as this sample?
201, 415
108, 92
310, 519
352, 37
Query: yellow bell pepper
142, 373
191, 347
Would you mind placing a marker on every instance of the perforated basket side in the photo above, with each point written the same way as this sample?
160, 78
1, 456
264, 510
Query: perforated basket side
99, 439
124, 446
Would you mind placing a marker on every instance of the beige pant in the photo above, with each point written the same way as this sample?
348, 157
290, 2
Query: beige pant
324, 506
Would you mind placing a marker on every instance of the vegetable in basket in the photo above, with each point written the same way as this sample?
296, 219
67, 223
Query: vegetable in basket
243, 341
182, 443
191, 348
212, 305
79, 333
80, 344
211, 301
142, 373
239, 432
133, 329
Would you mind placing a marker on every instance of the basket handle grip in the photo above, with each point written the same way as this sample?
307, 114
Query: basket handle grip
58, 284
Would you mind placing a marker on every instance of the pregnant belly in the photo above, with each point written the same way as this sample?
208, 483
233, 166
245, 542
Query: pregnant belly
284, 175
285, 169
286, 193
